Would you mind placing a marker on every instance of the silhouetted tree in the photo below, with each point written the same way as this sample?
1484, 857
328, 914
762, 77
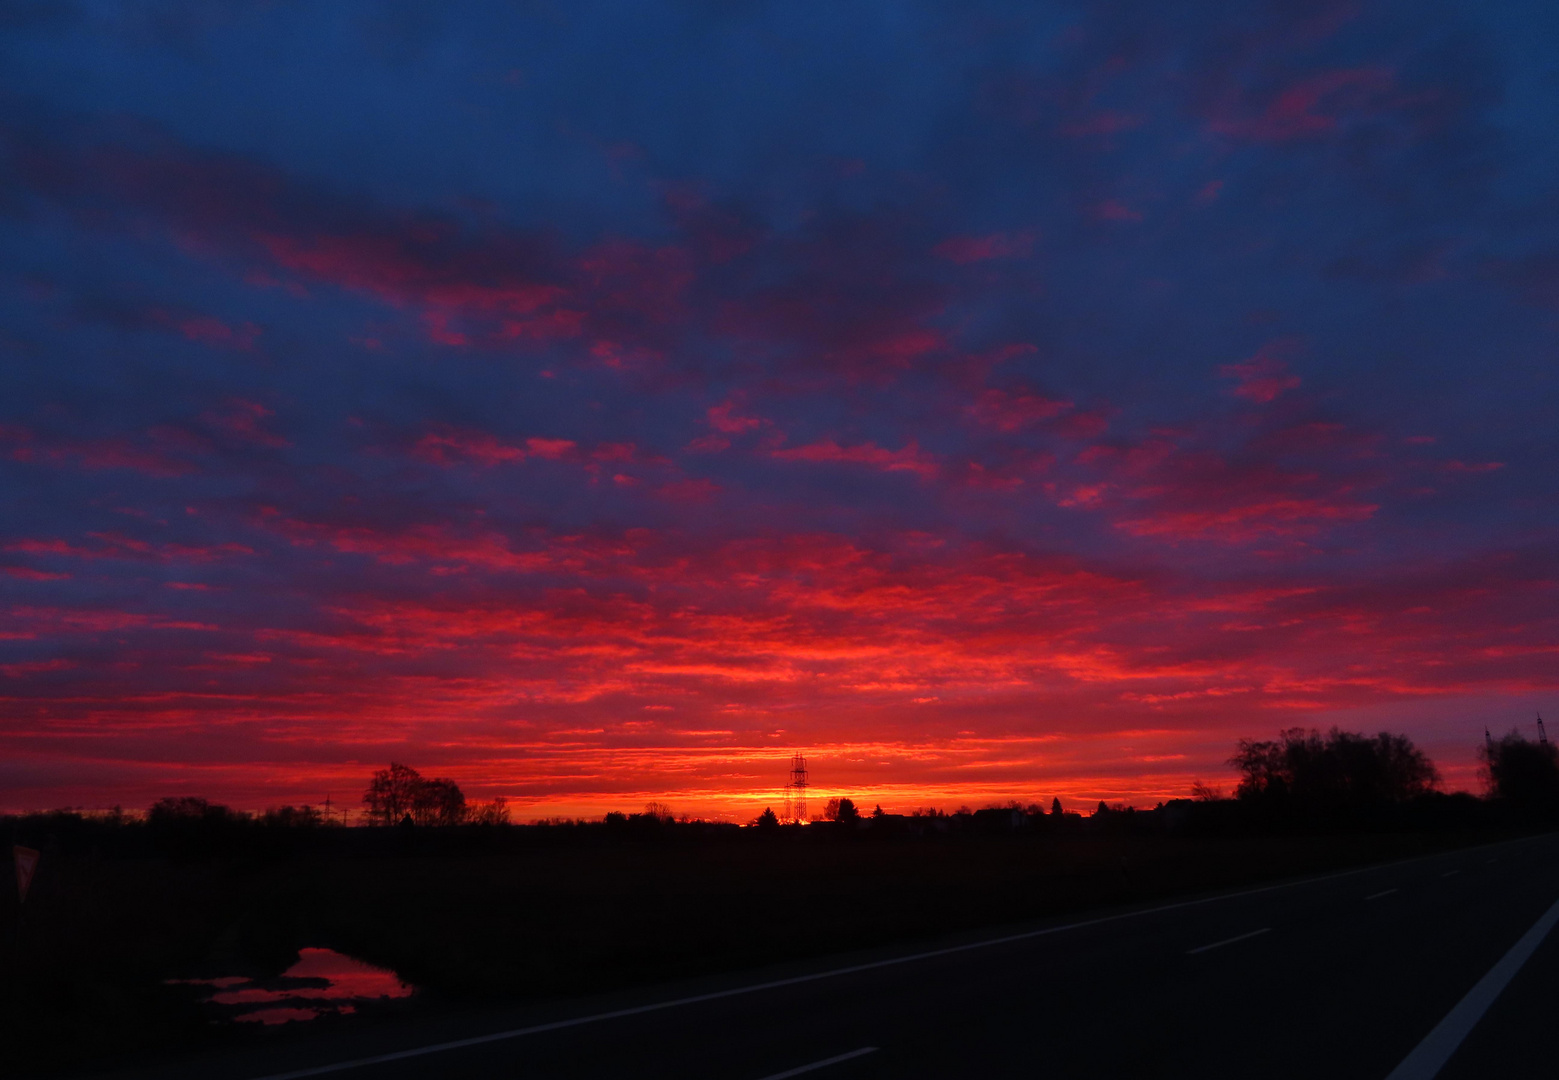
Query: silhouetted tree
293, 817
767, 820
438, 802
391, 794
189, 827
401, 792
186, 809
1339, 771
1524, 774
846, 812
877, 812
490, 813
1055, 807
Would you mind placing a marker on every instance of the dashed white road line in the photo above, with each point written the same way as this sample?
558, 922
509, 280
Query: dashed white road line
1430, 1056
836, 1059
1378, 895
1228, 941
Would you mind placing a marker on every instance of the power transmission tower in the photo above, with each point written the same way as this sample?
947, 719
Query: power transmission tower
796, 792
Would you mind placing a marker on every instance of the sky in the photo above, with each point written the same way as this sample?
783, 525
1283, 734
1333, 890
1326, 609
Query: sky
598, 403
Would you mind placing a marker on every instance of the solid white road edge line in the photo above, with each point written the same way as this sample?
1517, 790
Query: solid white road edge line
823, 1064
1228, 941
1378, 895
556, 1025
1430, 1056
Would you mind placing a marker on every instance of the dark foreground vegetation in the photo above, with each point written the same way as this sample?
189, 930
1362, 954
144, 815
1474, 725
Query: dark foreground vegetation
492, 911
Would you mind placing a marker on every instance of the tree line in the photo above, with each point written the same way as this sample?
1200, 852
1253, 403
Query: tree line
1302, 779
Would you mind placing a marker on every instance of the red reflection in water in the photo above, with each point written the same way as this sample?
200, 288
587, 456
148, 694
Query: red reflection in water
349, 978
287, 1013
345, 979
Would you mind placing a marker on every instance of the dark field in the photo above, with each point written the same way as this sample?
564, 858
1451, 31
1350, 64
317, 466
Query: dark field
513, 915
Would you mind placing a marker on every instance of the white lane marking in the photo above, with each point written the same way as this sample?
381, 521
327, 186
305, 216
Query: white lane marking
862, 1052
1450, 873
1430, 1056
556, 1025
1228, 941
1378, 895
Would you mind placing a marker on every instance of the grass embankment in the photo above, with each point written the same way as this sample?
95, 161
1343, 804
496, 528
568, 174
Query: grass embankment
81, 983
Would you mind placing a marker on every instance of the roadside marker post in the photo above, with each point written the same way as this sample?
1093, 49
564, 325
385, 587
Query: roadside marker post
26, 865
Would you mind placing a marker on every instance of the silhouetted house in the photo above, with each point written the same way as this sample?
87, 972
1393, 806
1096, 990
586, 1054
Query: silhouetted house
888, 824
998, 820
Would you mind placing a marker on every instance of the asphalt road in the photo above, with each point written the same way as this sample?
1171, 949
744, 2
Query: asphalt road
1339, 976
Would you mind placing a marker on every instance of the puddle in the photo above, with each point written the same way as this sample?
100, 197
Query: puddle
322, 983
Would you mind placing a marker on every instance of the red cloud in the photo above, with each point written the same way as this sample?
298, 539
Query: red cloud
909, 458
1113, 210
111, 453
1249, 520
1264, 376
723, 418
449, 446
118, 546
1310, 107
1012, 410
212, 331
245, 420
972, 249
27, 573
1104, 122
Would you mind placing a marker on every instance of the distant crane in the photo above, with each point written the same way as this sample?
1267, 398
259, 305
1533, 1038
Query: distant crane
796, 791
1542, 736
